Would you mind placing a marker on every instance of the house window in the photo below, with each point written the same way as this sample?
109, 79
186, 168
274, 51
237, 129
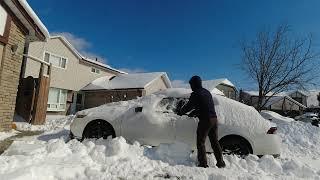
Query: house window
95, 70
3, 20
57, 99
56, 61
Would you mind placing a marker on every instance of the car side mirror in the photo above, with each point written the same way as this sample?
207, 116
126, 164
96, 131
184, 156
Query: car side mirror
138, 109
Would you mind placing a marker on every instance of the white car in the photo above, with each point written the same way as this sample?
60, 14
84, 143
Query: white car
307, 117
152, 120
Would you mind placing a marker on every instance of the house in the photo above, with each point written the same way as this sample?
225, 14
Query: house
70, 72
123, 87
19, 26
282, 103
221, 85
285, 105
298, 95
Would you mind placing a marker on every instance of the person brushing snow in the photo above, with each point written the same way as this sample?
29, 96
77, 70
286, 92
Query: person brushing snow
202, 103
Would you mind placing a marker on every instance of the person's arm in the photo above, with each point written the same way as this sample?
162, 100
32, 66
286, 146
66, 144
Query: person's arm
189, 106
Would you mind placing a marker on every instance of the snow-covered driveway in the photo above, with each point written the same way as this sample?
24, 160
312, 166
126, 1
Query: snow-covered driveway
51, 156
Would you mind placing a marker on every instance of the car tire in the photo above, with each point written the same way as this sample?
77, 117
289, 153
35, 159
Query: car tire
235, 145
98, 129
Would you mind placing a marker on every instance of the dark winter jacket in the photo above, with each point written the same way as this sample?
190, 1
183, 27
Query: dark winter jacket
200, 100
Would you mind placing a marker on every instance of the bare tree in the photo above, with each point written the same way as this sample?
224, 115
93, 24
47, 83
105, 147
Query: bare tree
277, 62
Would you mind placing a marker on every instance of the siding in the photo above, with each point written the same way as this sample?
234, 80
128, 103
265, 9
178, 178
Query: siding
74, 77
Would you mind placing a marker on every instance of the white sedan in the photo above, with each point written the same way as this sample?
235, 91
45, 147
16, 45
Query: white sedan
152, 120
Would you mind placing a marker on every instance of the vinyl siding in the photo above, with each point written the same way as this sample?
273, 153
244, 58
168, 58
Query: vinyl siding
74, 77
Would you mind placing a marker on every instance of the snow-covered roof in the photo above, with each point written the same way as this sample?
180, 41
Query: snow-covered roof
127, 81
276, 99
288, 93
211, 84
21, 15
81, 57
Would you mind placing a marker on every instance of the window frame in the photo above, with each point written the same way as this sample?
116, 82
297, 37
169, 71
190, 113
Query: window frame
58, 104
95, 70
61, 57
4, 38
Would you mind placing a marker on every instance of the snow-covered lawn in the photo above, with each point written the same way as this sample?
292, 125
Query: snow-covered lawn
51, 156
5, 135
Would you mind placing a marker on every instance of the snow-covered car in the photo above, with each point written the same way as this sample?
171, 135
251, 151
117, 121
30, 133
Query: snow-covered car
152, 120
308, 117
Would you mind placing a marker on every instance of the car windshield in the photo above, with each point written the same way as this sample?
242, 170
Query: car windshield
171, 104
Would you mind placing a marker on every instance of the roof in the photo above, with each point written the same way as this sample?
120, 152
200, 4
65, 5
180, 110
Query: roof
211, 84
127, 81
276, 99
12, 4
288, 93
81, 57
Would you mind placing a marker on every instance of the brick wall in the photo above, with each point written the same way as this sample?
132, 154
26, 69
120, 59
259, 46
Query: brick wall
9, 76
97, 98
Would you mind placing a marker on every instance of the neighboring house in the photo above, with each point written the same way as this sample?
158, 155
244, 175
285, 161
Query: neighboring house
299, 96
123, 87
70, 72
19, 25
285, 105
221, 85
282, 103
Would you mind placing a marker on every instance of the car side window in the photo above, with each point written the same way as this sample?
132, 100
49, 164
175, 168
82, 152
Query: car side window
171, 104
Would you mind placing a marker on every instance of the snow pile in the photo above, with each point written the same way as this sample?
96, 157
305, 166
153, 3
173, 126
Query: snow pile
234, 113
116, 159
5, 135
273, 116
52, 123
296, 136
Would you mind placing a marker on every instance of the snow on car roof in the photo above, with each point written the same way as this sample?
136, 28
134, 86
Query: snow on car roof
175, 92
211, 84
127, 81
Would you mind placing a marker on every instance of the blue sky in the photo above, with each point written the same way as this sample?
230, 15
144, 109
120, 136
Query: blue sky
181, 37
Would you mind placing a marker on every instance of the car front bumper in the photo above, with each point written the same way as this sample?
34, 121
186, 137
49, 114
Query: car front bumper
267, 144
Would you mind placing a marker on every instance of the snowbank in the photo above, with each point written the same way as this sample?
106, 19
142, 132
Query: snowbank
234, 113
5, 135
52, 123
273, 116
116, 159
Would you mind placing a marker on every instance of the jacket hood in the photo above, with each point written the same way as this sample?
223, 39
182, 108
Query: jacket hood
195, 83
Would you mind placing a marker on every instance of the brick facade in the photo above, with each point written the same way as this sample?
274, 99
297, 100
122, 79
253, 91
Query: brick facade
10, 68
97, 98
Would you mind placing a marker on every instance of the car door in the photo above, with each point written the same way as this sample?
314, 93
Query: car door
186, 128
148, 126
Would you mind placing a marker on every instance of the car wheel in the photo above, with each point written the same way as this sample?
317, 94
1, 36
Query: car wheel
98, 129
235, 145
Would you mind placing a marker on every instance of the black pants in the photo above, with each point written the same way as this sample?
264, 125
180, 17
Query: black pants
208, 128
